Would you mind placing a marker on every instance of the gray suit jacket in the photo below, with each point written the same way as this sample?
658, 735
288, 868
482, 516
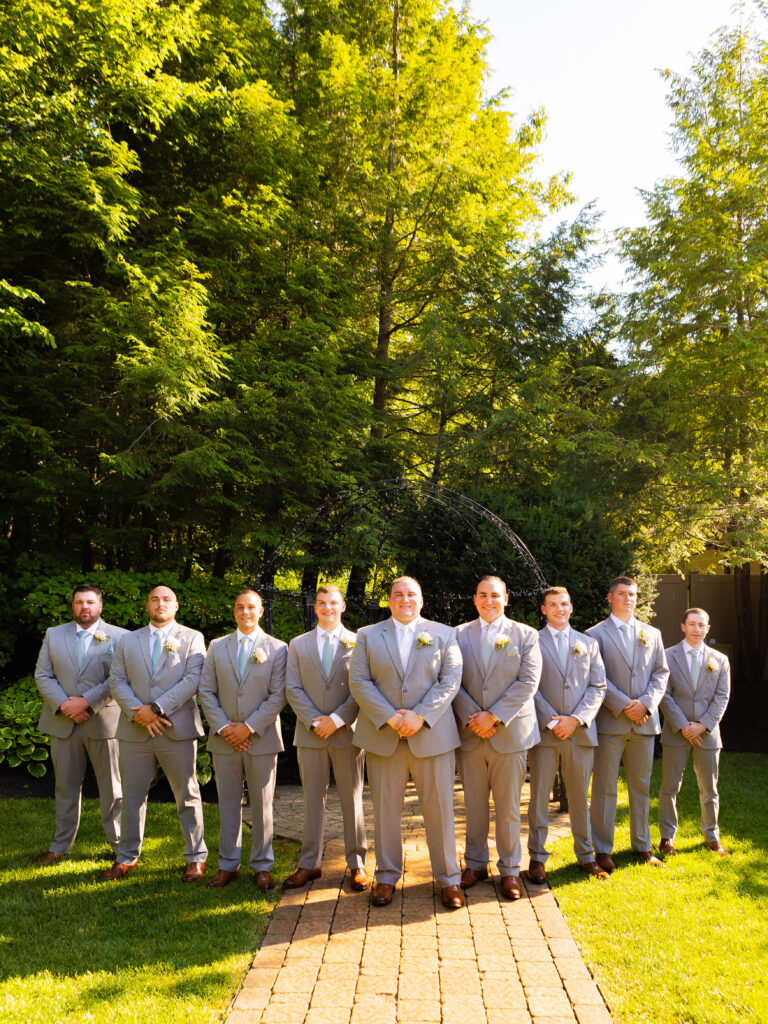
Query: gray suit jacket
173, 685
505, 689
429, 684
645, 680
257, 700
707, 705
578, 691
310, 694
57, 679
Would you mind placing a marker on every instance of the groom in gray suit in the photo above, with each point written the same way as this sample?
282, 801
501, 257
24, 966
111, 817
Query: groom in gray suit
695, 701
154, 678
404, 674
72, 675
317, 688
636, 675
242, 693
495, 711
571, 691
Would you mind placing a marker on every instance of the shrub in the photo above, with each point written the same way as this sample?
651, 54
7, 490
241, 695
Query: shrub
20, 742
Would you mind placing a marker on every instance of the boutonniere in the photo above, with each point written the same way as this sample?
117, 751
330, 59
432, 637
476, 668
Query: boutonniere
101, 637
578, 649
171, 645
711, 665
349, 643
424, 640
501, 642
258, 655
642, 639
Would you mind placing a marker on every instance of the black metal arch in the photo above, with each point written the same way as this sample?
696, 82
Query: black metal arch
469, 512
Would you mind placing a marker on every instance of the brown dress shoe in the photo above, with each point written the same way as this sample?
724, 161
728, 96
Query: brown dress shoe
593, 868
453, 897
666, 848
117, 871
301, 877
605, 861
360, 880
194, 871
382, 894
536, 872
222, 878
715, 846
646, 857
49, 858
511, 887
264, 880
469, 876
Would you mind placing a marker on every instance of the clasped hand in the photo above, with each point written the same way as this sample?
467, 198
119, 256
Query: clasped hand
481, 723
76, 708
405, 722
693, 733
237, 735
154, 724
636, 712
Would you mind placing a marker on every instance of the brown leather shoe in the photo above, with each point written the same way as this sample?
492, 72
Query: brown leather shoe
646, 857
49, 858
360, 880
222, 878
511, 887
605, 861
382, 894
301, 877
194, 871
117, 871
536, 872
470, 876
667, 848
593, 868
716, 847
453, 897
264, 880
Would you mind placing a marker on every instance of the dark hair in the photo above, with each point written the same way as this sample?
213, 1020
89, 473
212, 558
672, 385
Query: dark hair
627, 581
329, 588
491, 579
248, 590
83, 587
552, 591
695, 611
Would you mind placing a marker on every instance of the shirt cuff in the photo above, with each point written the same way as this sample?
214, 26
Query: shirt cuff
337, 720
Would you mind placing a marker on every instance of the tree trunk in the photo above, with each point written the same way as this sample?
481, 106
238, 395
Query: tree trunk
745, 625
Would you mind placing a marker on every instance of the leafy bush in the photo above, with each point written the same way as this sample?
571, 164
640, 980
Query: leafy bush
20, 742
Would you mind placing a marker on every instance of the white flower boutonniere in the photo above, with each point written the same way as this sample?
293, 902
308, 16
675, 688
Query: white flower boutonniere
501, 642
711, 665
642, 639
171, 645
578, 650
258, 655
101, 637
424, 640
349, 643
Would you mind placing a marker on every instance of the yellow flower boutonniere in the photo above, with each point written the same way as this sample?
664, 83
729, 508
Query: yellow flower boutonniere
100, 636
349, 643
258, 655
424, 640
171, 645
642, 639
711, 665
501, 642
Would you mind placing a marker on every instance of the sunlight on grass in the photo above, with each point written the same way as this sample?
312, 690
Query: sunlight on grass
687, 944
147, 949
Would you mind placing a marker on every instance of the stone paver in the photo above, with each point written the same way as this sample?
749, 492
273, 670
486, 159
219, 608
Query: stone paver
329, 957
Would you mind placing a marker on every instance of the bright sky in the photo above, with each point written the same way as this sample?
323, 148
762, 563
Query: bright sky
592, 64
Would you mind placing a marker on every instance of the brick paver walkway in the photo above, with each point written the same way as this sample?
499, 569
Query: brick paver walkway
329, 957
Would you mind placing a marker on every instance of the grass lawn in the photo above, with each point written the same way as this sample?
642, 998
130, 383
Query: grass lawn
145, 949
686, 944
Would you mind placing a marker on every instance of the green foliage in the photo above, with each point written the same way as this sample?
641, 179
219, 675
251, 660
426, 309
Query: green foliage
20, 742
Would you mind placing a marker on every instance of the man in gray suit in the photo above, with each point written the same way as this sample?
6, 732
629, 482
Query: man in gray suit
637, 673
242, 692
695, 701
570, 693
72, 675
317, 688
494, 708
404, 674
154, 678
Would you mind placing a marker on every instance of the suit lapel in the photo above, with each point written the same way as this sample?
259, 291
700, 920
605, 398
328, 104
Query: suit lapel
678, 653
549, 645
258, 635
70, 642
341, 650
389, 632
231, 645
618, 641
143, 640
475, 643
314, 654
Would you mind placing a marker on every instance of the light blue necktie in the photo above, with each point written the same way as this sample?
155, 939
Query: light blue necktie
327, 654
80, 647
695, 668
561, 651
487, 649
157, 649
628, 645
242, 656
